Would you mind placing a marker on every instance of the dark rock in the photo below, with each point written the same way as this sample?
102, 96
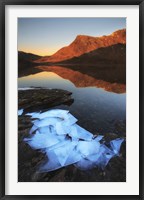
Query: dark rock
40, 99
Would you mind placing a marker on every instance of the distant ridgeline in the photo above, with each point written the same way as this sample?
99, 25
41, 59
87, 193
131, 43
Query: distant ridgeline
85, 44
81, 45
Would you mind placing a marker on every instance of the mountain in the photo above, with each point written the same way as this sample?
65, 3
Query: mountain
29, 57
84, 44
26, 60
112, 55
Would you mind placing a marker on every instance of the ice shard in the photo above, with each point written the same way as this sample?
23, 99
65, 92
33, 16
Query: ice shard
84, 164
20, 112
77, 132
54, 113
47, 121
88, 147
116, 144
40, 140
52, 163
64, 152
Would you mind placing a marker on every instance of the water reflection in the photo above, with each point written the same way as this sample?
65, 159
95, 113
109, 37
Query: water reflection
98, 111
80, 79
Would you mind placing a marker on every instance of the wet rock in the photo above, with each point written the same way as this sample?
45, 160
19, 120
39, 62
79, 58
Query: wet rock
39, 99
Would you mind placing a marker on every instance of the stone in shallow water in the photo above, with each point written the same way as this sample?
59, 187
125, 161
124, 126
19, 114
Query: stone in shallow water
58, 135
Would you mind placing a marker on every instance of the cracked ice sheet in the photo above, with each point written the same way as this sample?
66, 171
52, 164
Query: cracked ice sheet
51, 130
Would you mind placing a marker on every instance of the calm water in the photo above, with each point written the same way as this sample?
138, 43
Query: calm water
97, 110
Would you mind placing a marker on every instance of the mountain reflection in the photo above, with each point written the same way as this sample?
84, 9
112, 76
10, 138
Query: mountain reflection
80, 79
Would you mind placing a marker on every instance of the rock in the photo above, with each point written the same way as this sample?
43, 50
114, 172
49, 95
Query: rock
39, 99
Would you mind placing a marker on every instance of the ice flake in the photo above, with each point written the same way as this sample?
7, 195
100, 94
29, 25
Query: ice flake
83, 134
64, 152
69, 120
73, 157
98, 138
116, 144
40, 141
73, 132
105, 154
84, 164
60, 144
20, 112
52, 163
34, 114
45, 130
54, 113
47, 121
59, 129
88, 147
26, 88
34, 128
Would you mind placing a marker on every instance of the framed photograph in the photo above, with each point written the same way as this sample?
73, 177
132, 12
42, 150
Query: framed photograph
71, 99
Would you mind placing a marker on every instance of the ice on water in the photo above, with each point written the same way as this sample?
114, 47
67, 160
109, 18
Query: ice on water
20, 112
116, 144
64, 142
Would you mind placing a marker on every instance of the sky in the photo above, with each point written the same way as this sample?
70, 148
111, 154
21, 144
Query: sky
44, 36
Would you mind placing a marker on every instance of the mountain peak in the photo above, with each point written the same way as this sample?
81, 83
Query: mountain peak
82, 36
121, 32
84, 44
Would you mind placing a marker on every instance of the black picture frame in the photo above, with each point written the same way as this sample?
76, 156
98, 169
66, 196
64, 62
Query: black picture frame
3, 3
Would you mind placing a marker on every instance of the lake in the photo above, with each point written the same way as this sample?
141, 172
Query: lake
96, 109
